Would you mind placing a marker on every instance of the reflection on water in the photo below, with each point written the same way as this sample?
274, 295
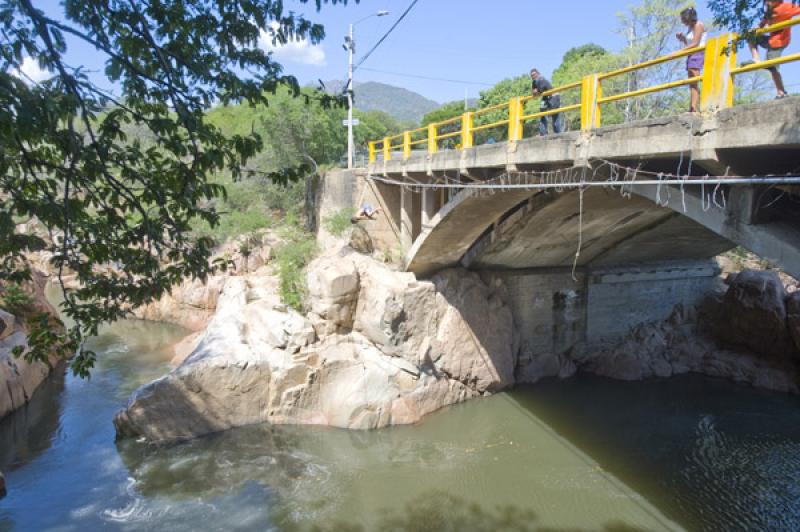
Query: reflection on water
587, 454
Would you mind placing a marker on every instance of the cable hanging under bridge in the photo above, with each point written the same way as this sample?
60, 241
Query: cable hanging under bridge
576, 177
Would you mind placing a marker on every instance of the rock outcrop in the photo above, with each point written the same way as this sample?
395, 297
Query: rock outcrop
744, 334
753, 314
192, 303
19, 379
378, 348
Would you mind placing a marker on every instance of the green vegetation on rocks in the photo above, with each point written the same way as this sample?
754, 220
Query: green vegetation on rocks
339, 222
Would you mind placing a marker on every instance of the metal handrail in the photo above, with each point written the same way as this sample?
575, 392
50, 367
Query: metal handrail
719, 70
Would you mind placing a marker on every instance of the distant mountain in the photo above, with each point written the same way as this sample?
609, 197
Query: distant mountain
402, 104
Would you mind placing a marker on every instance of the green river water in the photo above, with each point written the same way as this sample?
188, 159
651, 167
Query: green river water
584, 454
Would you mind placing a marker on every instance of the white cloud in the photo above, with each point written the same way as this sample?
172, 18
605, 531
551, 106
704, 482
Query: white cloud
299, 51
31, 72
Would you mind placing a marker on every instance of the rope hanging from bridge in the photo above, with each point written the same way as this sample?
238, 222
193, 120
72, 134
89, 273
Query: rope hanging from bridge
560, 180
624, 178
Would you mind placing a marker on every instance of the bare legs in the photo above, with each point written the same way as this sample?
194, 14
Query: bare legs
776, 75
693, 90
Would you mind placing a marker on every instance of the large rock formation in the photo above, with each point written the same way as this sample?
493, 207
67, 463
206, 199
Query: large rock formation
753, 314
192, 303
378, 348
19, 379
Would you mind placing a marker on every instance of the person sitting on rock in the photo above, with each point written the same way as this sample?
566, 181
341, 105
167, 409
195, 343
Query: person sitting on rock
366, 212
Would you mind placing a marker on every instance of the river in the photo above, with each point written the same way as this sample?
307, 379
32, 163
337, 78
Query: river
584, 454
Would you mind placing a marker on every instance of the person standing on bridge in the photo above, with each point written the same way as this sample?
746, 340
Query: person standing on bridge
540, 85
777, 41
695, 37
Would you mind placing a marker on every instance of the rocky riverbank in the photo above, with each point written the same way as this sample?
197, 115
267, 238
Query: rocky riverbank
19, 379
747, 331
378, 348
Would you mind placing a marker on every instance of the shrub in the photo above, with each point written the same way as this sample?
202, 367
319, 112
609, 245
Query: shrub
338, 223
17, 301
291, 259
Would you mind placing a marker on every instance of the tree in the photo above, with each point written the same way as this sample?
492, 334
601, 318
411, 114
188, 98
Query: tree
444, 113
740, 16
582, 61
107, 198
650, 30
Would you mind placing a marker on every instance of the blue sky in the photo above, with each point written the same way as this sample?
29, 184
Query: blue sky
466, 40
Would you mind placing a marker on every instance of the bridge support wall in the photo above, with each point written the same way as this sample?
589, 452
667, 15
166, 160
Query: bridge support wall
553, 312
349, 189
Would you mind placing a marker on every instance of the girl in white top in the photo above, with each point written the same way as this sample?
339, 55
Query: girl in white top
696, 36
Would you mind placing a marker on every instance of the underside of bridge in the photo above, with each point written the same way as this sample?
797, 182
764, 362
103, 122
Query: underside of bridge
588, 266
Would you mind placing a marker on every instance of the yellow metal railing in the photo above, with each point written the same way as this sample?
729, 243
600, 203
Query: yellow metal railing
717, 91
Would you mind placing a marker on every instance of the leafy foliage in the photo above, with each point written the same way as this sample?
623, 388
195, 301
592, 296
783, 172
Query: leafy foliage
108, 198
16, 300
291, 258
443, 113
339, 222
740, 16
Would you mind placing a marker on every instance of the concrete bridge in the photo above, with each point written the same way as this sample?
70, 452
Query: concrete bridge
641, 253
586, 263
517, 229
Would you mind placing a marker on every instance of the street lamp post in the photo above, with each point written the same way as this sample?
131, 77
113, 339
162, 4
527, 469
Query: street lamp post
351, 48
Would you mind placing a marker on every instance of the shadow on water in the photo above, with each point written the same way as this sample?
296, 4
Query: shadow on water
435, 511
708, 453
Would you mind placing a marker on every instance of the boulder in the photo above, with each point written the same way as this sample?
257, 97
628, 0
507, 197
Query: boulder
753, 314
333, 285
793, 317
455, 322
185, 347
190, 304
360, 240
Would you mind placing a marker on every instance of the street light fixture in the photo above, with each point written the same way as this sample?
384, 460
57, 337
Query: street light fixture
350, 46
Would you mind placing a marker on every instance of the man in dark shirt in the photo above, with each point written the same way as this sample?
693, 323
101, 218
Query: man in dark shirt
539, 85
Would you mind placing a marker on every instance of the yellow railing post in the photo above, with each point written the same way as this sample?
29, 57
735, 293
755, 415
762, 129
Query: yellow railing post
406, 144
467, 136
433, 143
372, 152
717, 90
387, 149
515, 119
591, 92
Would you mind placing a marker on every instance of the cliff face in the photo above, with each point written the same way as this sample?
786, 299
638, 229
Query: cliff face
19, 379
